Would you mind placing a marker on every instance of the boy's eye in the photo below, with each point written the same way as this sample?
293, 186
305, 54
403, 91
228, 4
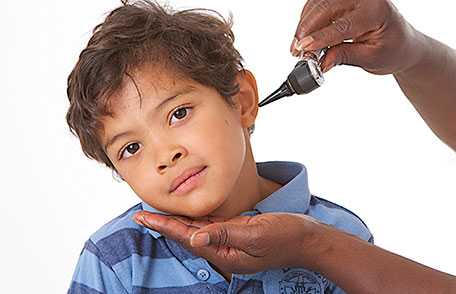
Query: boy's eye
180, 113
131, 148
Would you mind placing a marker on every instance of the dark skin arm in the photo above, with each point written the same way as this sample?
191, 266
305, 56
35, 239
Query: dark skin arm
431, 88
383, 42
249, 244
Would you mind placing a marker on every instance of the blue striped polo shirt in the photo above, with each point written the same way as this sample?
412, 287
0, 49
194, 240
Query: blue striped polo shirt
124, 257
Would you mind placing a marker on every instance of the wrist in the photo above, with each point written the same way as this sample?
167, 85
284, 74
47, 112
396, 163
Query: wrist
316, 242
418, 49
336, 249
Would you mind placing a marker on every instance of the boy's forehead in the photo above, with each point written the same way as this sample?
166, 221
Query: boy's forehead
147, 85
143, 89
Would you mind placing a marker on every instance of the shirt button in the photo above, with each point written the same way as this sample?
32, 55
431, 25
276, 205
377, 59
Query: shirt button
202, 274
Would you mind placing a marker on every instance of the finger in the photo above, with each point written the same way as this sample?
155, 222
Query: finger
308, 4
346, 53
226, 234
167, 225
241, 219
305, 9
217, 219
321, 13
350, 26
198, 223
182, 219
318, 14
226, 258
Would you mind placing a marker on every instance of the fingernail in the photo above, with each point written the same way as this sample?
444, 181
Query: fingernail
199, 240
137, 219
293, 45
304, 43
148, 221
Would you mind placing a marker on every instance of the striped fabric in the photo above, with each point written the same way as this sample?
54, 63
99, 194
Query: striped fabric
123, 257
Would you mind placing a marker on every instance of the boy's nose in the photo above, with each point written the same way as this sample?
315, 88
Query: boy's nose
175, 155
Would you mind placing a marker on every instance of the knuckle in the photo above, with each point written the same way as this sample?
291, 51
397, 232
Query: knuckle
357, 4
301, 30
320, 35
307, 7
343, 25
256, 239
222, 237
344, 57
381, 12
381, 6
252, 243
323, 6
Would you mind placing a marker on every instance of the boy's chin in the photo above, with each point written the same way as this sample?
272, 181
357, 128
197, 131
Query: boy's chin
194, 206
200, 213
203, 210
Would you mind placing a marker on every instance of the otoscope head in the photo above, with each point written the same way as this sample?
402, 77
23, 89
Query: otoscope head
304, 78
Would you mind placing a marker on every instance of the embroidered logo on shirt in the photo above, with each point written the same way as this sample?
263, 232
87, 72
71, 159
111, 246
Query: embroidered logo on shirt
300, 282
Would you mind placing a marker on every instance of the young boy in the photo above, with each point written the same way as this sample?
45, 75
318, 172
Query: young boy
162, 99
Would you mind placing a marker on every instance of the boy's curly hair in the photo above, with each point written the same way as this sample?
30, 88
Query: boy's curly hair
195, 43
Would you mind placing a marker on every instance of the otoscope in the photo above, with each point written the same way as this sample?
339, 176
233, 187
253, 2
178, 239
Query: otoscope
303, 79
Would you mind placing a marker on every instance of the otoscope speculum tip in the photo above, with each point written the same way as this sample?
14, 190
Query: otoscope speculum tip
283, 91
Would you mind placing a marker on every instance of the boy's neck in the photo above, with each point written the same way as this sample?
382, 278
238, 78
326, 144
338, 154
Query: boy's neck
249, 189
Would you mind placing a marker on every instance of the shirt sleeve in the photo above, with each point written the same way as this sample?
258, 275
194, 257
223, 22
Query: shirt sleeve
93, 276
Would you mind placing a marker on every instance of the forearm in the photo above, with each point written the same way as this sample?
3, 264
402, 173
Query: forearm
430, 85
360, 267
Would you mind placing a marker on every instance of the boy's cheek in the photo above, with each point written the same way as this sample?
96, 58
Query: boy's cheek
145, 185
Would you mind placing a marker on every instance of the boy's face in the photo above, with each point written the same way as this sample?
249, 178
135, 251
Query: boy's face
195, 129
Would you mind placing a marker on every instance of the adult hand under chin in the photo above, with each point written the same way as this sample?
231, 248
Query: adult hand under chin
243, 244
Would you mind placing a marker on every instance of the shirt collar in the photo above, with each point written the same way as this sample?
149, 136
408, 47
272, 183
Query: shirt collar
292, 197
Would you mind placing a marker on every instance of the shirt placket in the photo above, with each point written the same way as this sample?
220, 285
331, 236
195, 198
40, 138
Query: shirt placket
199, 267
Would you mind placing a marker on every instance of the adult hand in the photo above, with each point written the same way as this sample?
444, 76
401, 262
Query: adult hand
371, 34
249, 244
243, 244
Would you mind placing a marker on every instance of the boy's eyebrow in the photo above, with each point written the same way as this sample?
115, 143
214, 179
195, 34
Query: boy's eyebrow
115, 138
155, 110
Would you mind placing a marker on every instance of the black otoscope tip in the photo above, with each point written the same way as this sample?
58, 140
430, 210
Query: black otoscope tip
281, 92
305, 77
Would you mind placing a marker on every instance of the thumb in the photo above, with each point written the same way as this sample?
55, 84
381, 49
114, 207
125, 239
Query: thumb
223, 234
345, 53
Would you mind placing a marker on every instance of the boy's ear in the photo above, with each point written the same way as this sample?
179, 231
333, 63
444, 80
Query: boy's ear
246, 100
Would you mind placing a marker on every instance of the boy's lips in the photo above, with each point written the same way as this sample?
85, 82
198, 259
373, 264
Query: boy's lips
188, 174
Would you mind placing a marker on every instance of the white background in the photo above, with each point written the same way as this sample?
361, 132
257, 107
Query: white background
363, 144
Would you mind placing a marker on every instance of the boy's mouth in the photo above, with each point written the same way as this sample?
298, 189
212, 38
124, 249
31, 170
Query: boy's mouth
188, 180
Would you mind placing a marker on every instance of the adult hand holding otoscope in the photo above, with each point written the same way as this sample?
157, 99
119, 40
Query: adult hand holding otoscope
329, 35
373, 35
